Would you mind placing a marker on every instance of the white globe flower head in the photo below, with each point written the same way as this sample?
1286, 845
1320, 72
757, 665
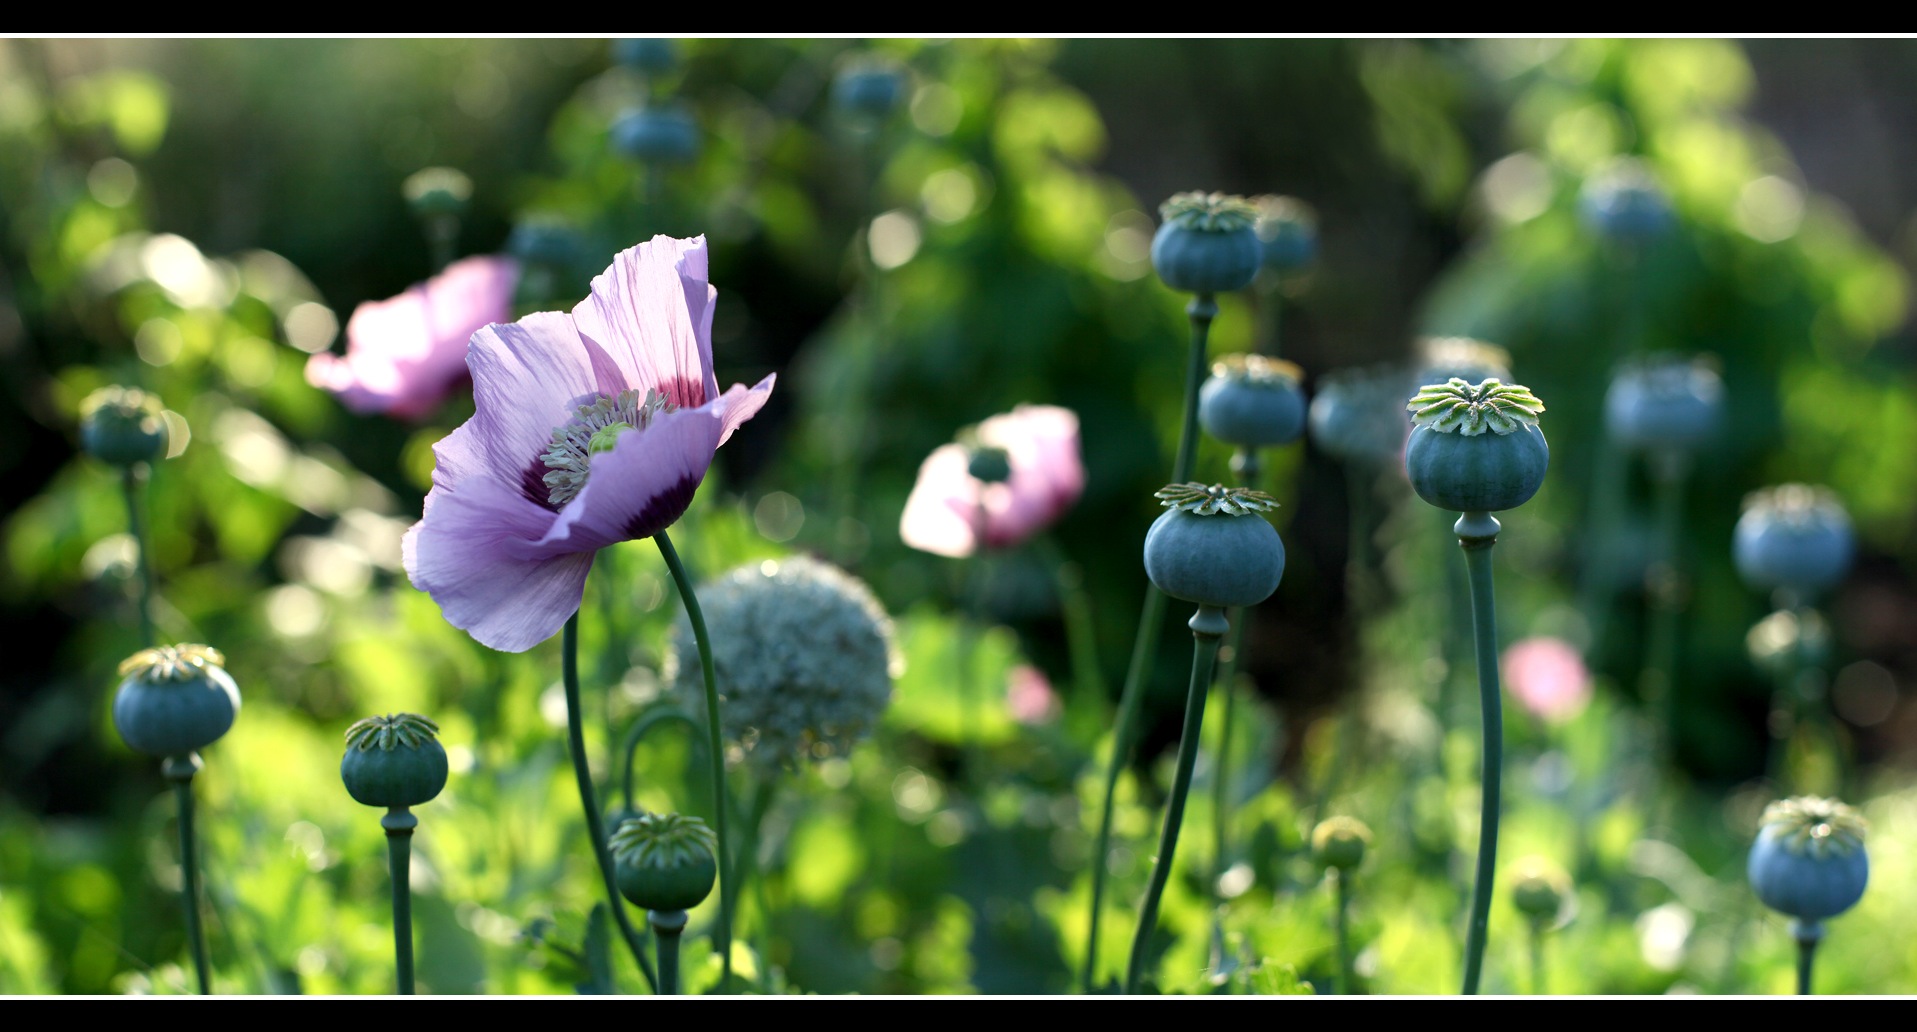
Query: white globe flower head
803, 656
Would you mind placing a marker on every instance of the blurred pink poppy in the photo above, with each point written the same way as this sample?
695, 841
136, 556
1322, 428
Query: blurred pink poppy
406, 354
1548, 678
1029, 697
949, 507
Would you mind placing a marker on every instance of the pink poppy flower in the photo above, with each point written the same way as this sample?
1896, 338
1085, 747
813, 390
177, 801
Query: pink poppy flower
404, 355
1548, 678
591, 428
943, 515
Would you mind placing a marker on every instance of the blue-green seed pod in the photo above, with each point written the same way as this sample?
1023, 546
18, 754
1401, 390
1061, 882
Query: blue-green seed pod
1358, 415
656, 136
174, 699
1794, 537
1476, 448
1212, 548
438, 192
394, 760
663, 861
1206, 245
1626, 203
123, 426
868, 87
1252, 401
1808, 861
649, 55
1664, 402
1340, 842
1287, 233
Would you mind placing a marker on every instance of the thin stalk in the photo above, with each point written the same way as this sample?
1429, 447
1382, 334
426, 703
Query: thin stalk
1221, 758
728, 888
1667, 595
1808, 934
180, 771
1081, 633
1342, 882
666, 926
1208, 628
136, 525
589, 798
442, 238
637, 733
1477, 533
1202, 310
399, 823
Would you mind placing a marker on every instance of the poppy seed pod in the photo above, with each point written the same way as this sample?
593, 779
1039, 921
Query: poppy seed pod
123, 426
1625, 202
1664, 402
175, 699
1206, 245
1211, 547
869, 87
649, 55
664, 861
1252, 401
656, 136
1340, 842
1793, 537
1539, 888
1476, 448
1358, 415
1808, 861
1287, 233
393, 761
989, 465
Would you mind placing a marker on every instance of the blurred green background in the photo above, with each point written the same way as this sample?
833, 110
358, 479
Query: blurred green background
197, 216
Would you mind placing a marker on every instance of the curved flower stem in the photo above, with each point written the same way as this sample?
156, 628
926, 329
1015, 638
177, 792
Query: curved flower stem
728, 887
136, 525
399, 823
1208, 627
1808, 934
589, 798
180, 771
1202, 310
1342, 883
637, 733
666, 926
1477, 533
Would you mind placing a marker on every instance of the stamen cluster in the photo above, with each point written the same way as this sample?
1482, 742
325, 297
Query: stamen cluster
570, 456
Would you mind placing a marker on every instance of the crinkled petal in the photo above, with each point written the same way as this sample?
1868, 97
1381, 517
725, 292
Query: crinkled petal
528, 377
941, 513
479, 553
741, 403
643, 485
641, 315
404, 355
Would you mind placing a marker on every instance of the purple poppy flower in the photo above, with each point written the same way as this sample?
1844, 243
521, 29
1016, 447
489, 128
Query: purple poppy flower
591, 428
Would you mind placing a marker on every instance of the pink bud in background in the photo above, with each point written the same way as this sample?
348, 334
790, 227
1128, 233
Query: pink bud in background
1029, 697
1548, 678
406, 354
947, 506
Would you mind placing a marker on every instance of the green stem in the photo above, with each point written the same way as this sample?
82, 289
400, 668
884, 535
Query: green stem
666, 926
1341, 880
1537, 958
136, 525
1667, 594
1221, 759
653, 718
180, 771
589, 798
1208, 627
1477, 533
399, 823
1808, 934
442, 238
1081, 632
1202, 309
728, 887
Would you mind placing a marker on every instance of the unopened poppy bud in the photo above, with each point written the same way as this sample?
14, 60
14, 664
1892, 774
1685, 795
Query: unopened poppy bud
394, 761
174, 699
123, 426
1340, 843
1212, 547
665, 861
1206, 245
